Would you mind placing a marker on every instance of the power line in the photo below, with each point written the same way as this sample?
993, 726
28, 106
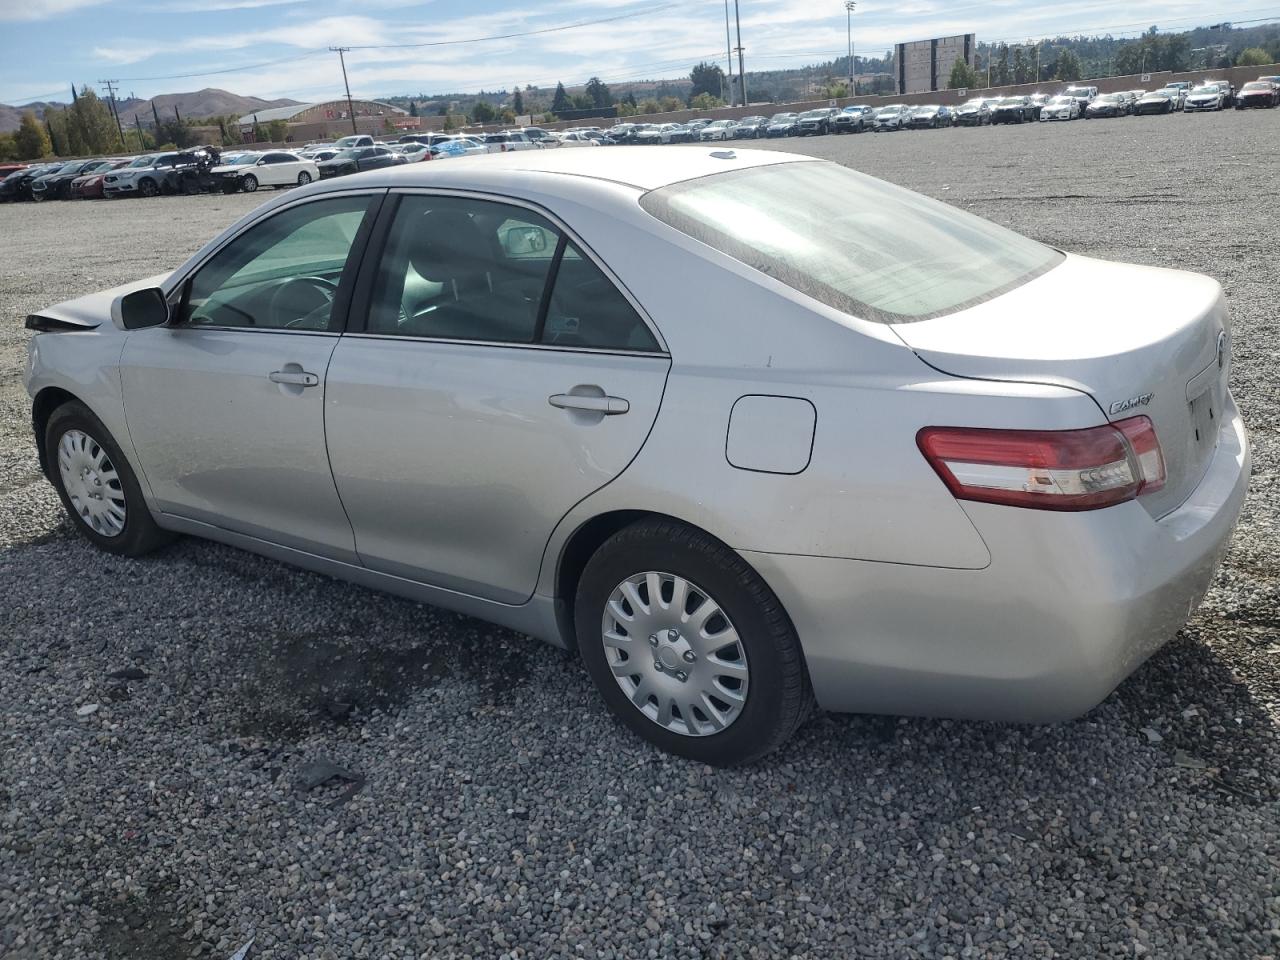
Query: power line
215, 73
351, 107
111, 95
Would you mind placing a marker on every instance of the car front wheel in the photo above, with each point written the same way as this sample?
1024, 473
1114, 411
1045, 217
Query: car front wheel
688, 646
249, 182
96, 484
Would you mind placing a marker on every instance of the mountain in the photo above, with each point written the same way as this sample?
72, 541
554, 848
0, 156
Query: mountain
201, 103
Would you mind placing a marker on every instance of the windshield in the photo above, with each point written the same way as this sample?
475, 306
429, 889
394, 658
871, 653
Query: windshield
346, 155
887, 111
858, 244
1110, 98
1012, 102
239, 159
1257, 86
813, 115
780, 117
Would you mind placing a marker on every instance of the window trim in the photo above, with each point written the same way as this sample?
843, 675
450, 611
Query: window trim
340, 316
362, 292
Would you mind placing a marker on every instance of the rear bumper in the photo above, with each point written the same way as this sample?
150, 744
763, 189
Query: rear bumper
1070, 605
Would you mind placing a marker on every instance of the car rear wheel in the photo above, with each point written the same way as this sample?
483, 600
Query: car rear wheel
249, 182
688, 646
97, 487
148, 188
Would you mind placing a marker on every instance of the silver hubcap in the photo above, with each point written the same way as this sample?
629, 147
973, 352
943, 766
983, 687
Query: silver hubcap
675, 654
91, 482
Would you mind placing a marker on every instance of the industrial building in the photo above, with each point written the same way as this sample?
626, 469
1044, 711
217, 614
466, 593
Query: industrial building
925, 65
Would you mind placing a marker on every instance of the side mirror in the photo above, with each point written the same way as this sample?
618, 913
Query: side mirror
144, 308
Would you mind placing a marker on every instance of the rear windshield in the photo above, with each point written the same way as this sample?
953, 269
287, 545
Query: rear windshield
855, 243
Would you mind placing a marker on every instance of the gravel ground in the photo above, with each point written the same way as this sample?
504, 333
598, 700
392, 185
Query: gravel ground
501, 813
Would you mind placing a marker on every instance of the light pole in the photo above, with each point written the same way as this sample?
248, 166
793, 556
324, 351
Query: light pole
853, 69
742, 70
728, 47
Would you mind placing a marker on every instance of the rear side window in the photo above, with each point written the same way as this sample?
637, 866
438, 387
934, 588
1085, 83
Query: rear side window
857, 244
465, 269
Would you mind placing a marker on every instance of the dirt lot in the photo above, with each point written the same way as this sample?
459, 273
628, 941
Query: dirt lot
503, 814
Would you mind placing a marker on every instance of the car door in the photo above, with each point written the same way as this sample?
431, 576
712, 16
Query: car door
225, 405
501, 376
278, 169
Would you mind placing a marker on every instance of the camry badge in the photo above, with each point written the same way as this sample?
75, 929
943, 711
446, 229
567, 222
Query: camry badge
1141, 400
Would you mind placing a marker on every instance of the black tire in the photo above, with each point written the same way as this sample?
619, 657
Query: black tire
140, 534
304, 178
779, 697
249, 183
147, 187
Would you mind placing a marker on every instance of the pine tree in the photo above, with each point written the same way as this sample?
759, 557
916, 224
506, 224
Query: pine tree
560, 103
1021, 69
517, 103
962, 76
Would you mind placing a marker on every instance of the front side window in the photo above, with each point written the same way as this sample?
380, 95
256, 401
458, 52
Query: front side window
462, 269
855, 243
282, 274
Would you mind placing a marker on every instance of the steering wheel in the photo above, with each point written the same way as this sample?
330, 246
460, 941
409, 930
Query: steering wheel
285, 303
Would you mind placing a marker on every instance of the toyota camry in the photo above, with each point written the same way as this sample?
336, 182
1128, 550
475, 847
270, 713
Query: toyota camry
747, 431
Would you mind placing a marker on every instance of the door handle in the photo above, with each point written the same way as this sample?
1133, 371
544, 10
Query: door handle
609, 406
297, 378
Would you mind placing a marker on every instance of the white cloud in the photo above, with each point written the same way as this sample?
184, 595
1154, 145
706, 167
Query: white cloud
41, 9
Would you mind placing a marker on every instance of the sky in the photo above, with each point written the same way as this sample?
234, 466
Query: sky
277, 48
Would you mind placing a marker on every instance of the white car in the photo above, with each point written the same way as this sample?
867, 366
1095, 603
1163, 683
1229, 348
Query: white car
1209, 96
892, 117
510, 142
275, 168
1060, 107
719, 130
575, 138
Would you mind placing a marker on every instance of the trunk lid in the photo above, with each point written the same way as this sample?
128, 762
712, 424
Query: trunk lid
1141, 341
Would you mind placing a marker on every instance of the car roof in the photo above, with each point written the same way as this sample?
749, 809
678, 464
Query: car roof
639, 167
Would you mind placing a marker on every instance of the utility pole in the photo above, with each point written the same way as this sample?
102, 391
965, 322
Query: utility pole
111, 95
351, 107
853, 69
728, 49
742, 71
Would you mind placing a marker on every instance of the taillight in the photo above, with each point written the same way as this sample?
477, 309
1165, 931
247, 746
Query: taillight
1047, 469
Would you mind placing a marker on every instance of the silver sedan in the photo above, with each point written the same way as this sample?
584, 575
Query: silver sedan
747, 430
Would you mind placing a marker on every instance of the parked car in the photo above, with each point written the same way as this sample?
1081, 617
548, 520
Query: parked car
974, 112
695, 127
1061, 107
1157, 101
514, 140
357, 160
750, 128
1013, 110
1209, 96
457, 147
1109, 105
149, 175
355, 140
274, 168
621, 132
972, 491
1178, 94
536, 135
1083, 95
1258, 93
88, 186
930, 116
783, 125
8, 167
815, 122
892, 117
719, 130
575, 139
17, 185
56, 183
1038, 101
853, 119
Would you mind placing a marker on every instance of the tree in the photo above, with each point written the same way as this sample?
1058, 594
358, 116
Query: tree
276, 131
1067, 66
31, 141
599, 93
413, 109
517, 104
1002, 75
483, 112
91, 125
560, 102
962, 76
705, 101
707, 78
8, 149
1021, 69
1252, 57
671, 104
650, 106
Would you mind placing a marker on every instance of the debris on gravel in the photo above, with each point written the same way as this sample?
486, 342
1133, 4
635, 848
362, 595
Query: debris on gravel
501, 813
